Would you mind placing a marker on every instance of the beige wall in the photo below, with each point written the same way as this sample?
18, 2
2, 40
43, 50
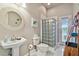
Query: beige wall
61, 10
26, 31
75, 8
37, 11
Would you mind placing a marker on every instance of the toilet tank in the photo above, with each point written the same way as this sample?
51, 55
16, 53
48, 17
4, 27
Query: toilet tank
36, 39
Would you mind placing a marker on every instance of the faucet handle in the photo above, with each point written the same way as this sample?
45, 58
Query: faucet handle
12, 37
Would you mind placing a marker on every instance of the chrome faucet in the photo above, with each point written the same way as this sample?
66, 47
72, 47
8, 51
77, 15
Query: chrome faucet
13, 38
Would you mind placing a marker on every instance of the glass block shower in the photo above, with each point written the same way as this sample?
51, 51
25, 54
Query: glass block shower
49, 31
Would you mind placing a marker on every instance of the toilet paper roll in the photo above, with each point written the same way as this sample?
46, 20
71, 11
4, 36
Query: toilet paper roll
30, 46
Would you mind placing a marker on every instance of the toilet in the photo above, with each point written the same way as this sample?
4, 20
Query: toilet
35, 39
41, 47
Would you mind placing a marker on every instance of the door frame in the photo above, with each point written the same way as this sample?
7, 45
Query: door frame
70, 17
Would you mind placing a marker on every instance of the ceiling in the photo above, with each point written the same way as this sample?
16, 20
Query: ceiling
45, 4
52, 5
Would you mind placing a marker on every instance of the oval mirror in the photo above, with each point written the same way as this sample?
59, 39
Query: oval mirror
14, 19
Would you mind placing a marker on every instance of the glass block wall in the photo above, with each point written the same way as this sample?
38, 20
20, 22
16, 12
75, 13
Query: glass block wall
49, 32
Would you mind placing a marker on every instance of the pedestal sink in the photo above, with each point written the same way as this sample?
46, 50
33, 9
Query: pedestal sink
14, 44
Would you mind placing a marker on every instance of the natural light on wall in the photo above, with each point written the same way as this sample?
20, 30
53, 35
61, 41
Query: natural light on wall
48, 4
24, 5
21, 5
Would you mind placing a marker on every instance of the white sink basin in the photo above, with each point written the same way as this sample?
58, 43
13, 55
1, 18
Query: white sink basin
14, 44
11, 44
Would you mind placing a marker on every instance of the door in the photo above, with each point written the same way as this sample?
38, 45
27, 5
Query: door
64, 23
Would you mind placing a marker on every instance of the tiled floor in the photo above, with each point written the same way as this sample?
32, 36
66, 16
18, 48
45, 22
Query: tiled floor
45, 50
59, 51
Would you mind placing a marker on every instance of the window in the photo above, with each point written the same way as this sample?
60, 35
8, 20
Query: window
64, 26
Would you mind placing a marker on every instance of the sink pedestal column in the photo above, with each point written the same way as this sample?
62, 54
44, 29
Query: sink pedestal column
15, 51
